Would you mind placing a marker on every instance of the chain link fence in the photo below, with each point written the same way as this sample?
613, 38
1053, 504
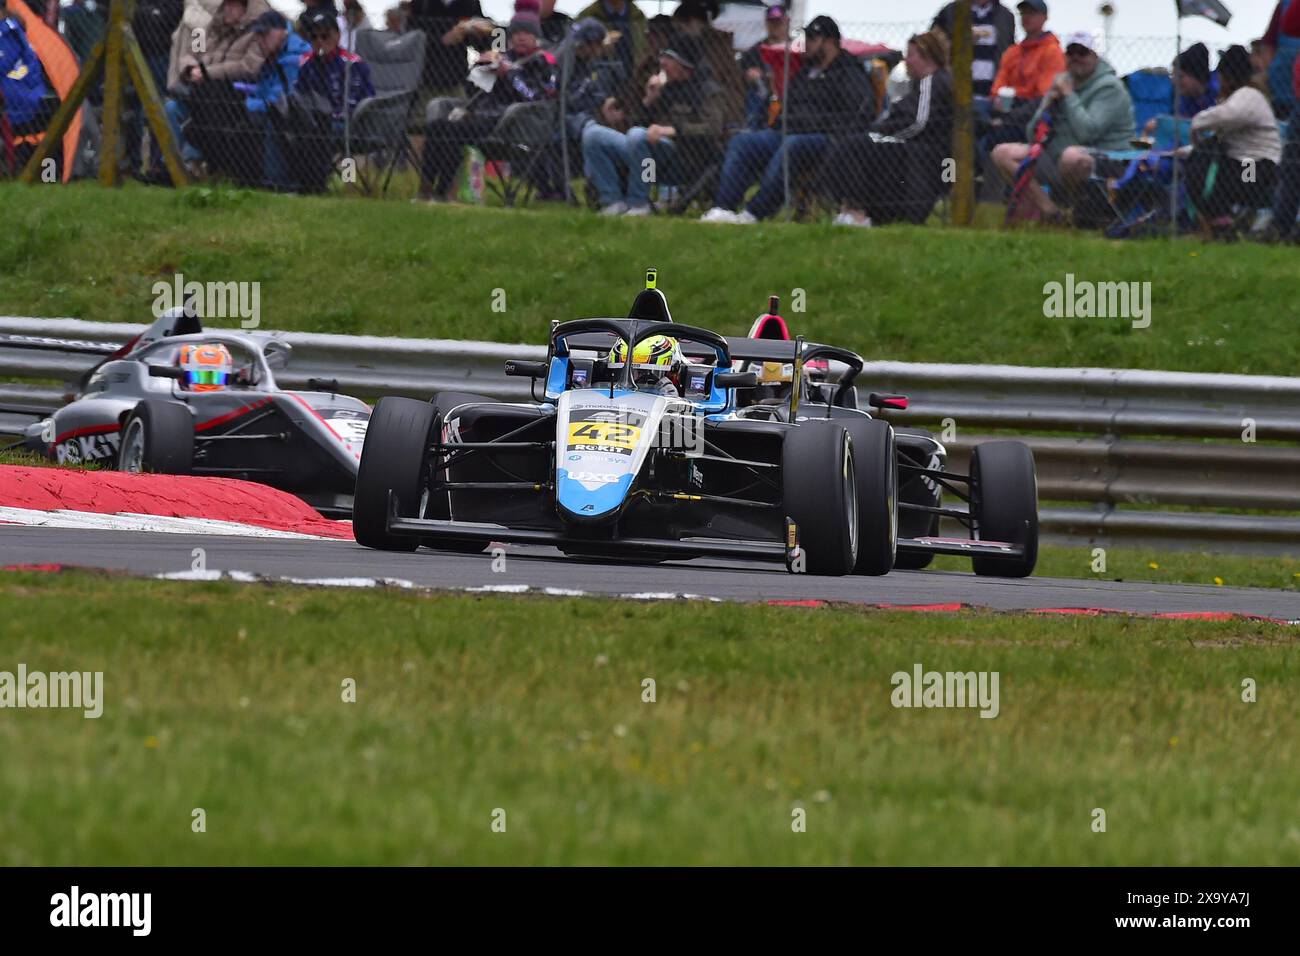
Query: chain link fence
657, 120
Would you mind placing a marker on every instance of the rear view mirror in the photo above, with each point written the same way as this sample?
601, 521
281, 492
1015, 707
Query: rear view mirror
897, 402
736, 380
166, 371
526, 369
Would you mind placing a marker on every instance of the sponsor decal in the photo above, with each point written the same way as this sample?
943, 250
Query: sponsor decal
85, 448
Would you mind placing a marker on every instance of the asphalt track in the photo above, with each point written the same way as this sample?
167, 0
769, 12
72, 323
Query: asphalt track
543, 568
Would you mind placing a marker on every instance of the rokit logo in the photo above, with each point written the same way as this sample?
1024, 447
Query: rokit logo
88, 448
132, 910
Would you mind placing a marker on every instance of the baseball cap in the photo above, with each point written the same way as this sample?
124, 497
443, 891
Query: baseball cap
589, 30
1038, 6
823, 26
314, 19
1081, 38
268, 21
683, 48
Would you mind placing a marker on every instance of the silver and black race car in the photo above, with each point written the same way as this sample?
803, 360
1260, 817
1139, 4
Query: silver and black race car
651, 462
134, 411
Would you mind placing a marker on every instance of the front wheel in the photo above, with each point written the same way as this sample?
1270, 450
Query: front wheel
1004, 505
821, 496
875, 464
394, 459
157, 437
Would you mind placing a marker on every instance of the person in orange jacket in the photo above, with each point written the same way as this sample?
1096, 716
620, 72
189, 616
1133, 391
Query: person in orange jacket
1031, 65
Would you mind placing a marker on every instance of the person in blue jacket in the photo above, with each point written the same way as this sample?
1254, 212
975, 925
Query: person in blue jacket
284, 50
22, 89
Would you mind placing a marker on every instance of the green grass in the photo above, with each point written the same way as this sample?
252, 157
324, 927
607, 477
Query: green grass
333, 264
227, 698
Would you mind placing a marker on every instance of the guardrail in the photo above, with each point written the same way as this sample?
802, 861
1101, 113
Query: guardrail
1124, 419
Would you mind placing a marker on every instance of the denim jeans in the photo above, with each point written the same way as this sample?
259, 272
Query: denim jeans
275, 166
1288, 190
605, 152
178, 113
759, 154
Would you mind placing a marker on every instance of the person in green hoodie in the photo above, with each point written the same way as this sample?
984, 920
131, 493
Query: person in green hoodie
1090, 111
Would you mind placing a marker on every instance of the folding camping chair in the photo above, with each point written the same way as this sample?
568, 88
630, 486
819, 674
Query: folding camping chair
377, 127
517, 147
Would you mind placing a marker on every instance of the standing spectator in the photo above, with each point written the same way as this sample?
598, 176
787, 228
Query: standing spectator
1281, 50
525, 73
894, 171
759, 94
719, 62
284, 51
993, 30
153, 25
555, 25
1246, 135
1090, 110
446, 27
623, 17
83, 26
22, 95
832, 95
1287, 206
680, 111
1028, 67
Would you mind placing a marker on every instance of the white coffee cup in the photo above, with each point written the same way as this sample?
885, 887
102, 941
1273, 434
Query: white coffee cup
1006, 99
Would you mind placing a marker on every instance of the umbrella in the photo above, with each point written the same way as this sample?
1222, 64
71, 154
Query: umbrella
1210, 9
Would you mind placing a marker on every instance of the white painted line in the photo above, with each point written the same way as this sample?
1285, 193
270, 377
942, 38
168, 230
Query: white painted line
92, 521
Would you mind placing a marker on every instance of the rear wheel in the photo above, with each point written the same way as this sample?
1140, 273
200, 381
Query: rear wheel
394, 458
820, 493
158, 437
1004, 504
875, 466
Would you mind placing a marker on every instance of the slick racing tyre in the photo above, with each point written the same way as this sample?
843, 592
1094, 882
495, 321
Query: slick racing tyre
875, 464
821, 495
1004, 504
438, 505
394, 458
157, 437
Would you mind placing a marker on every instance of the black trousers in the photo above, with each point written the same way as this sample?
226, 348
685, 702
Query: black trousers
888, 181
444, 148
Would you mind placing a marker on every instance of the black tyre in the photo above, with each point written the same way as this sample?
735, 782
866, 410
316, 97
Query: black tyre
820, 491
875, 466
439, 505
1004, 504
157, 437
395, 458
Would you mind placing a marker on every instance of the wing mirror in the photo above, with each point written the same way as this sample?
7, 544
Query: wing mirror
898, 402
736, 380
527, 369
166, 371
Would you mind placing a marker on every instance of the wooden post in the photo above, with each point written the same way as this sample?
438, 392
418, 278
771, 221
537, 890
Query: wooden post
113, 75
963, 128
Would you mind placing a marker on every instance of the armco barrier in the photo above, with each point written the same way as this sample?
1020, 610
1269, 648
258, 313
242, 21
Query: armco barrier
1123, 419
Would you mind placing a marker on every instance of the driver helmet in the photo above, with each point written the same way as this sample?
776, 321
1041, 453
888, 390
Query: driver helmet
655, 362
207, 367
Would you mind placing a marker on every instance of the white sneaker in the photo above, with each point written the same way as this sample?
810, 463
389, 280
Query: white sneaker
637, 211
718, 214
745, 218
614, 209
848, 219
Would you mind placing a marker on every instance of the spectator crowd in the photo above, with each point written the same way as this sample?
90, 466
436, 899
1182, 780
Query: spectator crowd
639, 115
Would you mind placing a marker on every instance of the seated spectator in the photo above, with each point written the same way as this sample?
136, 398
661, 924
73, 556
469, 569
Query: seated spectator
1281, 52
895, 170
1028, 67
1089, 110
659, 33
153, 25
718, 63
284, 51
396, 20
525, 73
832, 95
331, 71
352, 20
22, 95
231, 55
993, 31
624, 18
1246, 136
759, 96
83, 26
680, 111
1287, 206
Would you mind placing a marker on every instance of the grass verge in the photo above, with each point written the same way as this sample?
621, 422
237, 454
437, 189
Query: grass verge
228, 698
910, 294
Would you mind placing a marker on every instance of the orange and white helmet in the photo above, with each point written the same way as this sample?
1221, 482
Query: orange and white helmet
207, 367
